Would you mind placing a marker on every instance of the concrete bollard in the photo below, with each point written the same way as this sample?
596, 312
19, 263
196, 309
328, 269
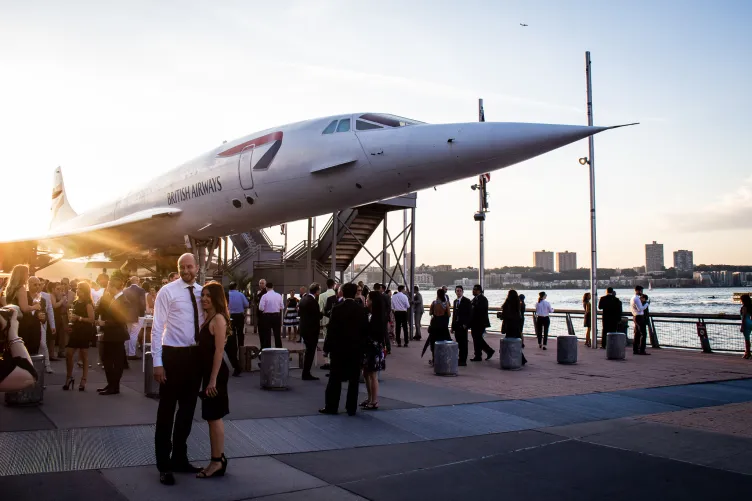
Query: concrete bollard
445, 357
566, 349
511, 353
616, 345
275, 368
34, 394
151, 387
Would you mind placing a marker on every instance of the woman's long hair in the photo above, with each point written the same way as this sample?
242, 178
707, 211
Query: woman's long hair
18, 278
511, 303
85, 294
586, 299
218, 300
441, 295
747, 303
377, 305
541, 296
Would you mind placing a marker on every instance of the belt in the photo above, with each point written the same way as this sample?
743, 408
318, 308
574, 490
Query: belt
179, 347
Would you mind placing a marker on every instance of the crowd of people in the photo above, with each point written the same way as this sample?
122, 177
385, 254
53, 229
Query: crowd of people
197, 332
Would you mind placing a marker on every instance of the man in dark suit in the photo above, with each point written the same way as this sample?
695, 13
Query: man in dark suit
136, 297
461, 315
387, 309
331, 301
478, 324
310, 321
113, 312
344, 343
612, 309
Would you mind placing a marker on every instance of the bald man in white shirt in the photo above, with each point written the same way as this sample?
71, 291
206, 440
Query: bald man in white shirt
271, 306
174, 343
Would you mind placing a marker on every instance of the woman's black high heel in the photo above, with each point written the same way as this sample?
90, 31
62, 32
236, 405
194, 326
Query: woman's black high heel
82, 385
69, 384
218, 473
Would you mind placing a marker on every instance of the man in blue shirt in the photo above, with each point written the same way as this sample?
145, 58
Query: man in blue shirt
238, 305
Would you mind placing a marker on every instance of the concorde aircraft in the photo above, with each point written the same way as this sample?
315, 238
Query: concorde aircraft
293, 172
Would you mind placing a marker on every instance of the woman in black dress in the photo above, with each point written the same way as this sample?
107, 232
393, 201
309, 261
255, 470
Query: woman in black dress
82, 329
438, 328
511, 325
374, 359
214, 374
586, 306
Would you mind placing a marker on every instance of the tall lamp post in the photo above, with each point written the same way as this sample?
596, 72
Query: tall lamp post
590, 161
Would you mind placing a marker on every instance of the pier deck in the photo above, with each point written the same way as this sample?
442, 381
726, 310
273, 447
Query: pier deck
675, 424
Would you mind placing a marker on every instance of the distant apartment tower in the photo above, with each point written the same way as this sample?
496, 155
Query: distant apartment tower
566, 261
543, 259
683, 260
653, 257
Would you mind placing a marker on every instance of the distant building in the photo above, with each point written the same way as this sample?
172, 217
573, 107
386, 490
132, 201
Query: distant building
566, 261
683, 260
653, 257
702, 278
424, 280
543, 259
442, 267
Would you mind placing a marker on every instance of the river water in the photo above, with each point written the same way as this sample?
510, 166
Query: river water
689, 300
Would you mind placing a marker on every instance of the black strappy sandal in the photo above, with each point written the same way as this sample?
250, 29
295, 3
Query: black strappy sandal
218, 473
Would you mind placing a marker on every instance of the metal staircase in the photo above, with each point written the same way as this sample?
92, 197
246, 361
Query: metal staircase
259, 258
252, 245
362, 223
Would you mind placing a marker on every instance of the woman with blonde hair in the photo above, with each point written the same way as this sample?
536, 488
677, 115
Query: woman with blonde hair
211, 352
17, 293
83, 328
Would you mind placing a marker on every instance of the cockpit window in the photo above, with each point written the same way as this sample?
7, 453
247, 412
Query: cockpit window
363, 125
344, 125
330, 128
389, 120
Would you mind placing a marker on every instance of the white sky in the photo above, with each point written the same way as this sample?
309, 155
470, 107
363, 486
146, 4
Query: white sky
118, 92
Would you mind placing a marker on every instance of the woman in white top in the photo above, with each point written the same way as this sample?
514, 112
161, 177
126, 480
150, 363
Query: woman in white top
542, 310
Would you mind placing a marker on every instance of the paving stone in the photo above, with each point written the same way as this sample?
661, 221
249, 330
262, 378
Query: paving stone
246, 478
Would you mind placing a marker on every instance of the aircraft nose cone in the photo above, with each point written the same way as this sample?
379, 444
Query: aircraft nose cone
497, 145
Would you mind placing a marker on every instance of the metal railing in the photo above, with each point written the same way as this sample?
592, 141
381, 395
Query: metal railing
669, 330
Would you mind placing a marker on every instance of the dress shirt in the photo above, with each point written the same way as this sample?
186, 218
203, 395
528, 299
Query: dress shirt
271, 302
543, 308
238, 302
400, 302
173, 318
50, 311
96, 296
637, 307
117, 295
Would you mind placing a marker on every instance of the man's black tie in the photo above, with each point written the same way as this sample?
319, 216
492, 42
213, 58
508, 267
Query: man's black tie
195, 313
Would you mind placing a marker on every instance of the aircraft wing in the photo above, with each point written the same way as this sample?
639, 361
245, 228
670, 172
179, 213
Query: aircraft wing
119, 234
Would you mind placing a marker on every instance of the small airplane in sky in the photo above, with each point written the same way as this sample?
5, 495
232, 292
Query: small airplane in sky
293, 172
523, 24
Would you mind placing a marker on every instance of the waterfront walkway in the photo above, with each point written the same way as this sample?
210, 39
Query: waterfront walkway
674, 424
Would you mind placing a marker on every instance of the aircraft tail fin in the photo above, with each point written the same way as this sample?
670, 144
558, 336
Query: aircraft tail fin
61, 210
